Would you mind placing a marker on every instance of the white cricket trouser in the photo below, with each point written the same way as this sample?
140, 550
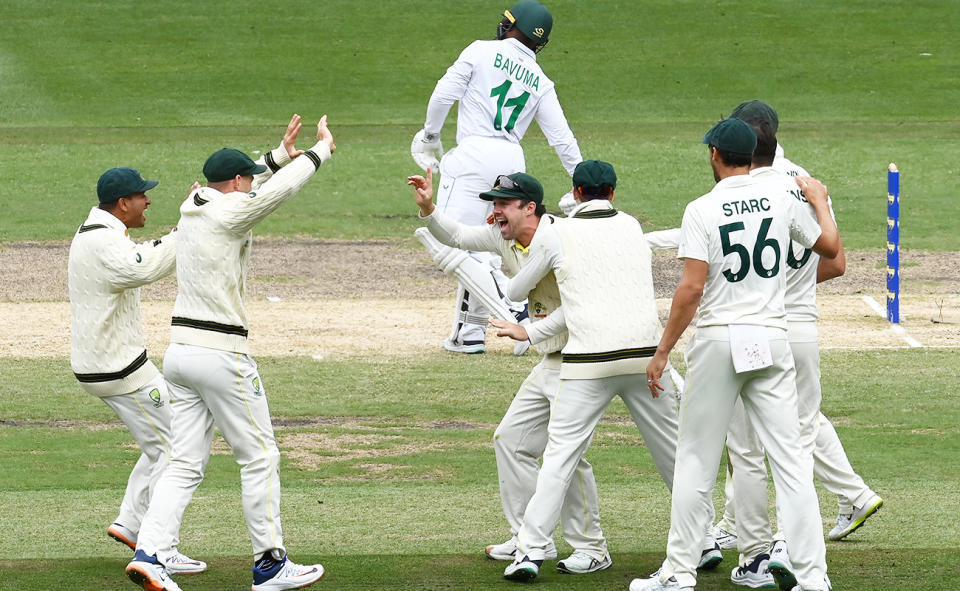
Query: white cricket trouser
519, 442
576, 411
146, 413
770, 400
469, 169
212, 388
819, 437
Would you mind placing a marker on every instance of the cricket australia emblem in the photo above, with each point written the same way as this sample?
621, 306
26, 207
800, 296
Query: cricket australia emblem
155, 396
257, 390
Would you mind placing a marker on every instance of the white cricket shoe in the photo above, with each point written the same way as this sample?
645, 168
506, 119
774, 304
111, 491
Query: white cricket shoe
851, 522
581, 563
181, 564
710, 557
149, 573
286, 574
508, 550
655, 584
755, 575
781, 568
522, 569
726, 540
123, 534
470, 347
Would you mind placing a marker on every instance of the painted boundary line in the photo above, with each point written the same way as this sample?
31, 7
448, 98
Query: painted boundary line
896, 328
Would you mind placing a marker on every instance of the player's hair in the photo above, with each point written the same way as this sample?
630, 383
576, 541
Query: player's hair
589, 193
733, 159
766, 149
538, 211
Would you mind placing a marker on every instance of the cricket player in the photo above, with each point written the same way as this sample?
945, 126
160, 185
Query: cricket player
759, 563
106, 269
521, 436
500, 89
602, 266
213, 380
734, 244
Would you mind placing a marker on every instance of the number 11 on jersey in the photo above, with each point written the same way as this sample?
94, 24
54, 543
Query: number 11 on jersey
517, 103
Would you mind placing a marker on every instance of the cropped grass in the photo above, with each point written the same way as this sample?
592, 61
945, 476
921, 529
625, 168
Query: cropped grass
160, 86
391, 484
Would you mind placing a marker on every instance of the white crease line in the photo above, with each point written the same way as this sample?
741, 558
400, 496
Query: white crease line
896, 328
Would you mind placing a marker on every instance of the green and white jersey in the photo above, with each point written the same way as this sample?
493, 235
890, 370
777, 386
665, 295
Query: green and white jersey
501, 90
742, 230
801, 300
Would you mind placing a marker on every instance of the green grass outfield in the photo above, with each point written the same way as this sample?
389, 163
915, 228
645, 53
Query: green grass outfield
389, 477
161, 85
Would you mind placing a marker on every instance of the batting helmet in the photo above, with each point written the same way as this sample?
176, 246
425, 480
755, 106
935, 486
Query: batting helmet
531, 18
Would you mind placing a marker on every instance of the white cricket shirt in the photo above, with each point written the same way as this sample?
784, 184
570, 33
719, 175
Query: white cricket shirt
501, 90
742, 230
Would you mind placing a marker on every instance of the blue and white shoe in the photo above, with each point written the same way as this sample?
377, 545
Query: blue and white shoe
149, 573
755, 575
286, 574
710, 557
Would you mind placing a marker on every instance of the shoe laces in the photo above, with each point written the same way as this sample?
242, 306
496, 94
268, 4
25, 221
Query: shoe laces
292, 569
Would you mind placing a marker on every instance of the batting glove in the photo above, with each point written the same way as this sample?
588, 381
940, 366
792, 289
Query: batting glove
426, 150
567, 203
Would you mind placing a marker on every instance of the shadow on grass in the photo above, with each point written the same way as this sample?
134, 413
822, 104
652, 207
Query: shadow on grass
850, 568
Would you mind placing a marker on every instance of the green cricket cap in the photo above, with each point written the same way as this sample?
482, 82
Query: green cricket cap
732, 135
758, 110
518, 185
595, 174
122, 182
226, 163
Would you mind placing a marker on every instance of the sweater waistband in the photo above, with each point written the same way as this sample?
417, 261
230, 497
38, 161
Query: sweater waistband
89, 378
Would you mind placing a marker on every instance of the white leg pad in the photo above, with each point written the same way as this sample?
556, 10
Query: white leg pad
475, 276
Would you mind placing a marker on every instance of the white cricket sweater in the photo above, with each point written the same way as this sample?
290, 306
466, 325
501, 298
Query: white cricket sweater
602, 265
213, 250
105, 271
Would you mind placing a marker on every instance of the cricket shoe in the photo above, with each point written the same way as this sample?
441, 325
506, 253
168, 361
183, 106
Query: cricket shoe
581, 563
123, 534
655, 584
851, 522
286, 574
468, 347
755, 575
149, 573
781, 568
710, 557
726, 540
181, 564
522, 569
508, 550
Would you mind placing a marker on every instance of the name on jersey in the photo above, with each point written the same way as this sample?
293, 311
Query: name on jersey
746, 206
517, 71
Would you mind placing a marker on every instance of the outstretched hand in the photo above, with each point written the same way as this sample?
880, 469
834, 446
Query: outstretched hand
290, 137
423, 192
324, 135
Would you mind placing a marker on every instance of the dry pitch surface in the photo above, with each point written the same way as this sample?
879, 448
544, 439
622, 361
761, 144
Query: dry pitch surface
330, 299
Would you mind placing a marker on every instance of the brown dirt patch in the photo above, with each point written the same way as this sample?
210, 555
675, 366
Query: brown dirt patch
333, 298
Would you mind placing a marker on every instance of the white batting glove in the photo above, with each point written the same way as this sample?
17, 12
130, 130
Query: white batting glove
426, 152
567, 203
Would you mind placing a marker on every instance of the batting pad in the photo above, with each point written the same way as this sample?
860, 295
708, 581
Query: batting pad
475, 276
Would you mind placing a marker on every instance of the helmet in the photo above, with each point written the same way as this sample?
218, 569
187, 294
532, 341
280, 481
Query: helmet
531, 18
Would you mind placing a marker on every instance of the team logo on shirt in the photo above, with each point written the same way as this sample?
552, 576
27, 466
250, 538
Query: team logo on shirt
139, 258
256, 386
155, 395
538, 310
